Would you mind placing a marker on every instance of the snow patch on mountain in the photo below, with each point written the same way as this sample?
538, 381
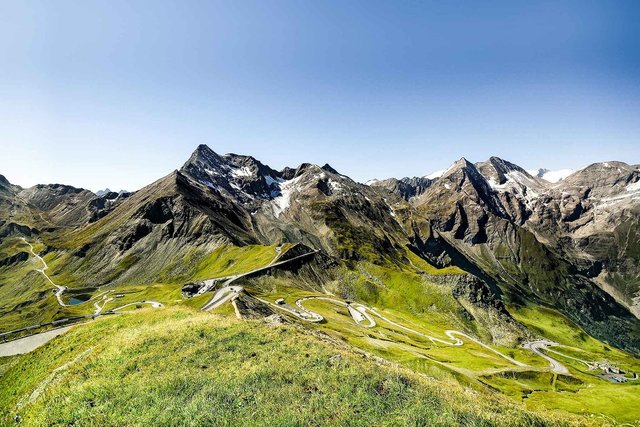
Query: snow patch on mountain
558, 175
283, 201
633, 186
107, 191
334, 185
494, 184
242, 171
436, 174
552, 176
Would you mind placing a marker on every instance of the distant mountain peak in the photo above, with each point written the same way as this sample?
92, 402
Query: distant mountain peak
504, 165
459, 165
498, 172
241, 177
328, 168
107, 191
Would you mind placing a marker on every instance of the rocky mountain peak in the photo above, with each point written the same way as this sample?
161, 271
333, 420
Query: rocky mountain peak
328, 168
498, 169
604, 178
462, 172
502, 174
461, 163
406, 188
242, 178
6, 186
305, 168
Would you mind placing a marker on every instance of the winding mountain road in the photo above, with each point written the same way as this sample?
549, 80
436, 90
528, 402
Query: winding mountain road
221, 296
537, 347
211, 304
31, 342
99, 307
363, 309
361, 315
59, 289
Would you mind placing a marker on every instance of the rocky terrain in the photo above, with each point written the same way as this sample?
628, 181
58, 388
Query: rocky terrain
572, 244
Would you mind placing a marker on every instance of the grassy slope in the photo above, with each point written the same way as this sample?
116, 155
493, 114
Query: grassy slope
182, 367
609, 401
409, 298
27, 297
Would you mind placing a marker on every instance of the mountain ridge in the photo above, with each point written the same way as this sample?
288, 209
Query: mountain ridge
472, 216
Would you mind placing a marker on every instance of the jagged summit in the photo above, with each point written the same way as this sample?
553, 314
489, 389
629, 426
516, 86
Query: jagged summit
406, 188
585, 224
328, 168
499, 169
242, 177
461, 163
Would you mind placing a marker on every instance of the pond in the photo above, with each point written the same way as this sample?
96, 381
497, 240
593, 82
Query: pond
78, 299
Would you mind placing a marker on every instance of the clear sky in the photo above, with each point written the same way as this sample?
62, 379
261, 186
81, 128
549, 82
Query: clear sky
119, 93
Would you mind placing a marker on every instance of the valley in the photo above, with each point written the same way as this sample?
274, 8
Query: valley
484, 280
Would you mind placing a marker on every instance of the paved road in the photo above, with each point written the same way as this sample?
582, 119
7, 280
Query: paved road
210, 284
298, 311
230, 279
590, 365
105, 300
357, 311
361, 316
59, 289
99, 307
30, 343
221, 296
449, 333
537, 347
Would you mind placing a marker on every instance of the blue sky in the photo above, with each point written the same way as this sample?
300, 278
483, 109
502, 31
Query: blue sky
119, 93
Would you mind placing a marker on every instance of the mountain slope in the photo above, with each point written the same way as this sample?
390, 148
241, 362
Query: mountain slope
528, 238
485, 250
118, 371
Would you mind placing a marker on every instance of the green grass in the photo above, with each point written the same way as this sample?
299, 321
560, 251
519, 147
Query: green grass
425, 267
179, 367
231, 260
27, 297
403, 293
478, 368
409, 349
594, 395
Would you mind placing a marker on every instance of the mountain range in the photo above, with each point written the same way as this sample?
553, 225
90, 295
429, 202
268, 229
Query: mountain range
484, 278
572, 245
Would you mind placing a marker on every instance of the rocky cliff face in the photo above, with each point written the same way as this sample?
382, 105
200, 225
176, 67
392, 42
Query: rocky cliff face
573, 244
406, 188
